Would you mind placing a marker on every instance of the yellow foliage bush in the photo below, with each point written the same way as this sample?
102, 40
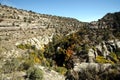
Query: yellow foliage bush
42, 49
37, 60
101, 59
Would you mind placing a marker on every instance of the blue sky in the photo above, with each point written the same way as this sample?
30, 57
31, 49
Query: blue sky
84, 10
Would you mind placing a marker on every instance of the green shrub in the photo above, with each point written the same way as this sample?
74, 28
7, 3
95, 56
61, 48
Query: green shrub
113, 55
11, 65
34, 73
118, 54
24, 46
26, 65
0, 39
61, 70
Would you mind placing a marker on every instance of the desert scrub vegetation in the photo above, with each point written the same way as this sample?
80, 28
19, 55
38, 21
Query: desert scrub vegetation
62, 48
34, 57
24, 64
34, 73
11, 65
58, 49
10, 68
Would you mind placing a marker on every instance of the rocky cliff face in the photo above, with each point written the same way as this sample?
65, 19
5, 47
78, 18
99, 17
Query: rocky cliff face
110, 20
104, 49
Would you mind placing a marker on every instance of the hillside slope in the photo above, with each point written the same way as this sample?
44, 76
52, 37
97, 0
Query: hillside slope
37, 46
19, 25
